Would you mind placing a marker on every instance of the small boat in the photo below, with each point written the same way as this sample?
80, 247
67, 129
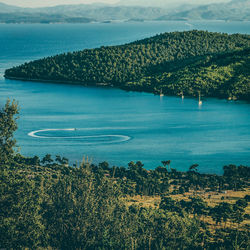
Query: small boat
200, 101
161, 94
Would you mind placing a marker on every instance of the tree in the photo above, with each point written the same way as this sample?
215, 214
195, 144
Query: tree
167, 203
58, 159
181, 190
8, 126
239, 211
193, 167
166, 163
20, 211
47, 159
65, 161
35, 160
222, 211
199, 206
247, 198
104, 165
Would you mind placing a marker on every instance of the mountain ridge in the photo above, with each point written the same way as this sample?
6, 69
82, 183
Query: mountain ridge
234, 10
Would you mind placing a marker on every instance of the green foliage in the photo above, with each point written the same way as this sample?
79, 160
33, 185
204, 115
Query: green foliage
47, 159
57, 206
81, 209
222, 212
167, 203
70, 208
223, 75
173, 63
8, 126
20, 218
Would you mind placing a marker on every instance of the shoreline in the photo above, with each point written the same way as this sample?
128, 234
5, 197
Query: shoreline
53, 81
106, 85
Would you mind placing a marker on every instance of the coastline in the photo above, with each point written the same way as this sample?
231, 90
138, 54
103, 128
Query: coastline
106, 85
57, 81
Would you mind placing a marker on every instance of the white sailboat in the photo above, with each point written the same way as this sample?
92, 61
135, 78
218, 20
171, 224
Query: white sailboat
200, 101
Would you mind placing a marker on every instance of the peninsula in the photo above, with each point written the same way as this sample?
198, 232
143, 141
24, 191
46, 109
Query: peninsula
176, 63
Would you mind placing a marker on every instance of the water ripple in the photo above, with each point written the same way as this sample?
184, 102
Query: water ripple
86, 139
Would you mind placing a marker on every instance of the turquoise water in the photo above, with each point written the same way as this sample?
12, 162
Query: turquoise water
111, 124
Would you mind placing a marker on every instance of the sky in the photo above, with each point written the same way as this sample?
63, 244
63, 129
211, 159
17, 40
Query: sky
43, 3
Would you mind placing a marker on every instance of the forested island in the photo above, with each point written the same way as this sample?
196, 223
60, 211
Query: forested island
176, 63
49, 203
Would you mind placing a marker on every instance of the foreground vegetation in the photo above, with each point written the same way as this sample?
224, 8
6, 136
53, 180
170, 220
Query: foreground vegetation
176, 63
47, 203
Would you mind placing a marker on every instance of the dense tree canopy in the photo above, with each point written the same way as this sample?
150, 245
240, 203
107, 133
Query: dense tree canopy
58, 206
8, 126
174, 63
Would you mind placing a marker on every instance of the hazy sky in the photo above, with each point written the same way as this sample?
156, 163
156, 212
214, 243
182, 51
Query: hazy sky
41, 3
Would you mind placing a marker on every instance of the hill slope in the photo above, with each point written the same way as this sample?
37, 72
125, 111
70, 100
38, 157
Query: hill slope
236, 10
126, 66
225, 75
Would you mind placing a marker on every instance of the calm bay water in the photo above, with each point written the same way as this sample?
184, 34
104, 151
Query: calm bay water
111, 124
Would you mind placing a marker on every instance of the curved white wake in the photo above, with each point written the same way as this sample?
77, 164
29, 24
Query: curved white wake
33, 133
121, 138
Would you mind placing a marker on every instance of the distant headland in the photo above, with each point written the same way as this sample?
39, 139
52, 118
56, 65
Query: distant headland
177, 63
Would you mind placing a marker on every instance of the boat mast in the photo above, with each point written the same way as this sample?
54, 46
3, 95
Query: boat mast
200, 101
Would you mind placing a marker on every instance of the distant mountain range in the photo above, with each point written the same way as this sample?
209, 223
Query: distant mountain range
78, 13
234, 10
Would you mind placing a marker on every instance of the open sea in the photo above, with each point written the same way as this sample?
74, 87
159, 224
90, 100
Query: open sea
111, 124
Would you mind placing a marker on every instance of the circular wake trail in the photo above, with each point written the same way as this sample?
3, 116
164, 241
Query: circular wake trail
116, 138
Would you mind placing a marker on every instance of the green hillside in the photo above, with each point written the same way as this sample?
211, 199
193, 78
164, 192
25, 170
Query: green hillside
225, 75
175, 62
48, 204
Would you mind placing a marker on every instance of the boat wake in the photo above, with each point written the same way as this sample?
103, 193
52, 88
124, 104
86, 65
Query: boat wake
85, 139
